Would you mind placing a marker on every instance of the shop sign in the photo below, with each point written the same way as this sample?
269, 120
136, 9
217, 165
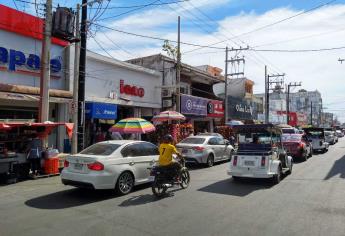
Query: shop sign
131, 90
241, 109
14, 58
100, 111
215, 108
191, 105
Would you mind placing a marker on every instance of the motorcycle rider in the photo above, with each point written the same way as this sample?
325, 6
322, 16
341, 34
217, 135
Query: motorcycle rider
166, 151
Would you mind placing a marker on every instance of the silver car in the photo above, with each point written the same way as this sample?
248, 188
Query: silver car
329, 137
205, 149
116, 164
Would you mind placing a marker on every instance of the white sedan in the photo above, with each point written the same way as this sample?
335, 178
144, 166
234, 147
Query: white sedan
118, 165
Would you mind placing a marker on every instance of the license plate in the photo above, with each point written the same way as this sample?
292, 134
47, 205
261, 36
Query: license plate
249, 163
78, 166
151, 178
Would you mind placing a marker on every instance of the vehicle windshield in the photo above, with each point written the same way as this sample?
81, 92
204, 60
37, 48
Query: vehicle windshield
193, 140
289, 138
100, 149
288, 131
315, 134
254, 138
328, 133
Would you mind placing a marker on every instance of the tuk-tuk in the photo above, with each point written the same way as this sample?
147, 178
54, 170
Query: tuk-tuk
317, 137
259, 153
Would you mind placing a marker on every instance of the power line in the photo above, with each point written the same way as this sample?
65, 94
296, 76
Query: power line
155, 38
15, 4
142, 5
274, 23
297, 50
118, 46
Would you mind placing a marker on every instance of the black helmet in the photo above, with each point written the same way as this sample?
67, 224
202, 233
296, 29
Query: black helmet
168, 138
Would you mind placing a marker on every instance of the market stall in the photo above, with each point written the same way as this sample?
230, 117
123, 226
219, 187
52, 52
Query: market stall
16, 140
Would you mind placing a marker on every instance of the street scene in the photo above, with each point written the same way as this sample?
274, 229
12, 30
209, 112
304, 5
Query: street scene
186, 117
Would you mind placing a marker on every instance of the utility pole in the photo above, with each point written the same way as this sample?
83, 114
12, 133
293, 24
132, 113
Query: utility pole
266, 97
178, 69
226, 87
311, 113
288, 99
279, 80
75, 84
234, 60
81, 82
45, 67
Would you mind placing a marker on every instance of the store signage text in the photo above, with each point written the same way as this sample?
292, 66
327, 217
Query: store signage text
131, 90
245, 109
14, 58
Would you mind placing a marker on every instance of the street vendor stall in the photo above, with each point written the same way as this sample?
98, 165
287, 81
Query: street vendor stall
16, 139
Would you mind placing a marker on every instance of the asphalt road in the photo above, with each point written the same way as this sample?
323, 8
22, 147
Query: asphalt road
311, 201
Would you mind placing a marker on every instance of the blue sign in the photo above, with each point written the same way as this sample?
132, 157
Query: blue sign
191, 105
33, 62
104, 111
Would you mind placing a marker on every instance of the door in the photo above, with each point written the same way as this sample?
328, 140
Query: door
223, 148
213, 144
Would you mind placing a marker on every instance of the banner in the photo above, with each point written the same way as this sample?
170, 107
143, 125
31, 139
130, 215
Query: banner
191, 105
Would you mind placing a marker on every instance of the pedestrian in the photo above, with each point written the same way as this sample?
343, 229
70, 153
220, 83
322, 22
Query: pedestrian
100, 137
34, 155
116, 136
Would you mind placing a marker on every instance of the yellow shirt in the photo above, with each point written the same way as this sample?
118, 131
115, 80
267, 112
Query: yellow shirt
165, 154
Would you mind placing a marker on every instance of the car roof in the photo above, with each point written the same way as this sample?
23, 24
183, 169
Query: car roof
121, 142
204, 136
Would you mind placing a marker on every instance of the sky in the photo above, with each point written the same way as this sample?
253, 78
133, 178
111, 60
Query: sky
205, 22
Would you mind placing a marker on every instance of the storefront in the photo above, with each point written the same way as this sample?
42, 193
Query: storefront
202, 113
115, 90
241, 109
20, 50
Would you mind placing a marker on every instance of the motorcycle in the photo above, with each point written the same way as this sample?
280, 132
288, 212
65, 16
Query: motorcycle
165, 178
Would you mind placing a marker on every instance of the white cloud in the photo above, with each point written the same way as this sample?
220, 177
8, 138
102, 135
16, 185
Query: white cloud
318, 70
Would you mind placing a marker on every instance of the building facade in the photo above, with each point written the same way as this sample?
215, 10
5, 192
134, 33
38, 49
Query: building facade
198, 103
20, 50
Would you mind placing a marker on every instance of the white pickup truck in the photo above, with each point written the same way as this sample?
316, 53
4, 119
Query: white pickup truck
259, 153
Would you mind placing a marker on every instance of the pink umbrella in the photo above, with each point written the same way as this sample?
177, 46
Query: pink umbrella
168, 116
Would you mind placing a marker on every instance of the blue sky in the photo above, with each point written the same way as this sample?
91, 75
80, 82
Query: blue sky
322, 28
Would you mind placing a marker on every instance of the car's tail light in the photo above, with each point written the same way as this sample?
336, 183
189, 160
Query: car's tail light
96, 166
263, 161
65, 164
199, 149
301, 145
234, 163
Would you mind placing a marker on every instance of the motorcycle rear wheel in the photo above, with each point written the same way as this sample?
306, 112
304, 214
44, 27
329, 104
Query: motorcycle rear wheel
158, 189
184, 178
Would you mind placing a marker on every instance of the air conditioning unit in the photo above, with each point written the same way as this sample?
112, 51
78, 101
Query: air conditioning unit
166, 93
167, 103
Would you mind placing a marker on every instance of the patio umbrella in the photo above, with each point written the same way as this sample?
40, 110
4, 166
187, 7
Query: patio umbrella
133, 125
168, 116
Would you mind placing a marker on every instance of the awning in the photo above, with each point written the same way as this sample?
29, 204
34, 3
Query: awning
30, 98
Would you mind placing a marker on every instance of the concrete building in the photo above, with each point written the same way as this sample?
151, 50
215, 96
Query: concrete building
195, 87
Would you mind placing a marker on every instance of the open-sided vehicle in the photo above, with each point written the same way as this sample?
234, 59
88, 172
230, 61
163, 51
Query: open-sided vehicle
260, 153
317, 137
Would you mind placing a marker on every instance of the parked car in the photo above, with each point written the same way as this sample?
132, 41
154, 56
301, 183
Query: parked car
330, 137
290, 131
260, 153
297, 146
116, 164
339, 134
210, 134
317, 137
203, 149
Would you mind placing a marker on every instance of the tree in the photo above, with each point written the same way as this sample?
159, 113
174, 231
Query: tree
170, 49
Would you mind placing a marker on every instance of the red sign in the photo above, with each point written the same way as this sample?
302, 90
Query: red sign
24, 24
131, 90
215, 108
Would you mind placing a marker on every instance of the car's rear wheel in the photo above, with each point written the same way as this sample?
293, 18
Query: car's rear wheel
311, 152
305, 156
125, 183
236, 178
210, 160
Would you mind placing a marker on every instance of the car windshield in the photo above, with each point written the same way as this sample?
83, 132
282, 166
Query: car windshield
315, 134
289, 138
254, 138
193, 140
328, 133
288, 131
100, 149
